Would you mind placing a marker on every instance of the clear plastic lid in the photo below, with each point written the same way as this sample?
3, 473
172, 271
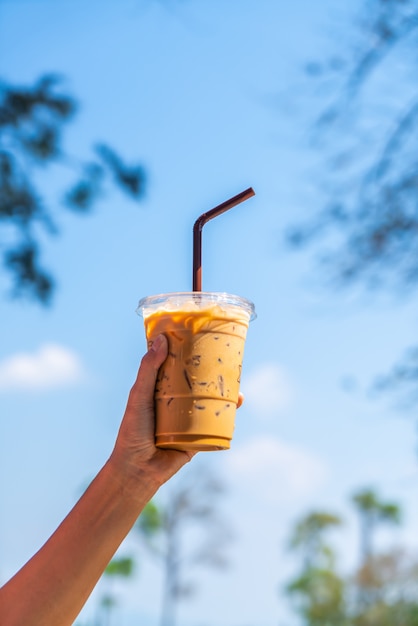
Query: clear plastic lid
194, 301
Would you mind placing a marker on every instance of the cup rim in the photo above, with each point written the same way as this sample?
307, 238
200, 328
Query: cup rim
210, 296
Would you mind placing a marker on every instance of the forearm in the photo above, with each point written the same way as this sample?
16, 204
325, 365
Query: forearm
53, 586
51, 589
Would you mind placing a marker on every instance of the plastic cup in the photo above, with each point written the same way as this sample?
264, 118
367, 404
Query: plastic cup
197, 387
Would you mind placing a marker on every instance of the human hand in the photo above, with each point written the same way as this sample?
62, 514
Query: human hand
135, 450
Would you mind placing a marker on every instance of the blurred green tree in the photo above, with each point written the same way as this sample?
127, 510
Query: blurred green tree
391, 582
185, 533
32, 123
120, 567
373, 512
382, 590
317, 592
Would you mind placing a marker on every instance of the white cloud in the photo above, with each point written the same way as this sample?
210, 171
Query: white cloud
267, 390
276, 470
51, 366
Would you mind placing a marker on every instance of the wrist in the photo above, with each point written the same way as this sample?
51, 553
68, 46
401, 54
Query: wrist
136, 483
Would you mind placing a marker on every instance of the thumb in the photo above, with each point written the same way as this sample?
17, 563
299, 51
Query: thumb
142, 393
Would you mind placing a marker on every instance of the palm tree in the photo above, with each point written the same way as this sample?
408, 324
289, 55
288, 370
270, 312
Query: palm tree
318, 589
373, 513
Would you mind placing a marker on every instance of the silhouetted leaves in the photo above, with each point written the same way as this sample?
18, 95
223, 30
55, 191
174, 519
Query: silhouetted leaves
366, 231
402, 380
28, 108
29, 276
32, 122
87, 189
130, 178
372, 157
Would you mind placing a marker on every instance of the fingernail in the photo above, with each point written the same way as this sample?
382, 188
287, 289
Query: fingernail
156, 344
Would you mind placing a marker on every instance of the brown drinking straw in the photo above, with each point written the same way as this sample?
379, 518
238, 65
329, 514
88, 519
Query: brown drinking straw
198, 227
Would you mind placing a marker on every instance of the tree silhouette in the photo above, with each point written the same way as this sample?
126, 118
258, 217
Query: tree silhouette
371, 174
401, 380
367, 131
32, 123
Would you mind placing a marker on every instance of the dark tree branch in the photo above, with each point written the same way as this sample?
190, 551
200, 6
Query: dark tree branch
32, 123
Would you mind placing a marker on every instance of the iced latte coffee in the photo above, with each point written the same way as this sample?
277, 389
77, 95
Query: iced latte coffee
197, 387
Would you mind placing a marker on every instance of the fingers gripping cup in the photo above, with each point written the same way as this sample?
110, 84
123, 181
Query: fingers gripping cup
197, 387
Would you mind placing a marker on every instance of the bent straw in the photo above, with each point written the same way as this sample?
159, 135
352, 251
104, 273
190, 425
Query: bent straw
198, 227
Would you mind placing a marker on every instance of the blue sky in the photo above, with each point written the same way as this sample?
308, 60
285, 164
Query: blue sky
210, 96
